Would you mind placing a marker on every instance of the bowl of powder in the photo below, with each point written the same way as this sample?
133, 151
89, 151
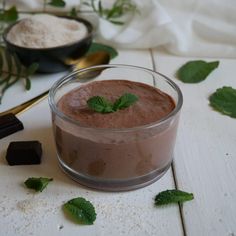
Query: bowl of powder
49, 41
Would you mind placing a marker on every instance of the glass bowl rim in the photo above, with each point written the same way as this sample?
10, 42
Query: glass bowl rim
67, 77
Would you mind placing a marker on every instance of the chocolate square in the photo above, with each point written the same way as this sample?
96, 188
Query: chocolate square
9, 124
24, 153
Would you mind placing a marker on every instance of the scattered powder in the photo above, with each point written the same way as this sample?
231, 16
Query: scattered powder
46, 31
31, 205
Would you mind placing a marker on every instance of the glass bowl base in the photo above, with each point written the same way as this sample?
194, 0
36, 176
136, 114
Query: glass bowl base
117, 184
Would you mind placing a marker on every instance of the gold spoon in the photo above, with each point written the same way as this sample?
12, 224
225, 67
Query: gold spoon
97, 58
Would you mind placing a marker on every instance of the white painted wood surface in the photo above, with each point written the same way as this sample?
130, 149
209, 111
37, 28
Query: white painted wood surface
23, 212
205, 163
205, 154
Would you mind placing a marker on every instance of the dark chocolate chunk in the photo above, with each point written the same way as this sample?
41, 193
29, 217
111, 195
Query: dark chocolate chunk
24, 153
9, 124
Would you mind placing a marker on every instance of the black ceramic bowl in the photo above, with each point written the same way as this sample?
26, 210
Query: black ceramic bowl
52, 59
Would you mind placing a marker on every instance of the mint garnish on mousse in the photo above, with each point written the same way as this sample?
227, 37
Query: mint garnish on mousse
102, 105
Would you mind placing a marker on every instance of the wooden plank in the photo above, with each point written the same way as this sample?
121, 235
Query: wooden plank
127, 213
205, 153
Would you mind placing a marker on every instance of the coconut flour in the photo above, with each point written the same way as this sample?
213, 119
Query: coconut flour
46, 31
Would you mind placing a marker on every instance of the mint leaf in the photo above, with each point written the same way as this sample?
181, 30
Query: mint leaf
38, 184
32, 69
224, 101
99, 104
96, 47
172, 196
81, 210
73, 12
57, 3
117, 22
27, 83
196, 71
9, 15
102, 105
125, 101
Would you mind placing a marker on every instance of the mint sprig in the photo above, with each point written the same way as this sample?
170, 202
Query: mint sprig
81, 211
196, 71
102, 105
224, 101
125, 101
172, 196
38, 184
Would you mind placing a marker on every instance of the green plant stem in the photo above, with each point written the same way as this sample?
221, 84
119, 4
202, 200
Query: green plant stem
9, 84
118, 9
93, 5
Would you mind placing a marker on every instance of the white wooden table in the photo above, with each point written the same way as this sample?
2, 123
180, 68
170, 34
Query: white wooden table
204, 163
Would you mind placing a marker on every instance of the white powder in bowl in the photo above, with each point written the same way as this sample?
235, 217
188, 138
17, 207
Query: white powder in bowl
46, 31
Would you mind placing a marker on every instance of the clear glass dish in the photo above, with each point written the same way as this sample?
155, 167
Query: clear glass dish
114, 159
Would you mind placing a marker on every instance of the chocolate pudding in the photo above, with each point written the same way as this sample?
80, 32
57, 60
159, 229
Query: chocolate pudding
123, 145
152, 104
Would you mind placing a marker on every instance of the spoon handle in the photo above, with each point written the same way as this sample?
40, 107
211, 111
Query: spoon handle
26, 105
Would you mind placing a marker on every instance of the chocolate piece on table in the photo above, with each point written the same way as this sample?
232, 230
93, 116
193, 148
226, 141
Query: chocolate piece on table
9, 124
24, 153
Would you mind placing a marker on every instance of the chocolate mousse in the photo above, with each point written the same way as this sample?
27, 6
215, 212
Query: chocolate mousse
152, 104
121, 145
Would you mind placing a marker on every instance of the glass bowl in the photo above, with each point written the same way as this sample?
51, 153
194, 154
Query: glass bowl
114, 159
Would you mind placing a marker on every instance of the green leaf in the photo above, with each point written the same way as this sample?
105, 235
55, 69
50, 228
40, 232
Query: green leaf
172, 196
57, 3
5, 82
73, 12
32, 69
96, 47
9, 15
99, 104
14, 71
27, 84
38, 184
125, 101
102, 105
224, 101
196, 71
9, 73
81, 210
117, 10
117, 22
111, 13
18, 67
100, 8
